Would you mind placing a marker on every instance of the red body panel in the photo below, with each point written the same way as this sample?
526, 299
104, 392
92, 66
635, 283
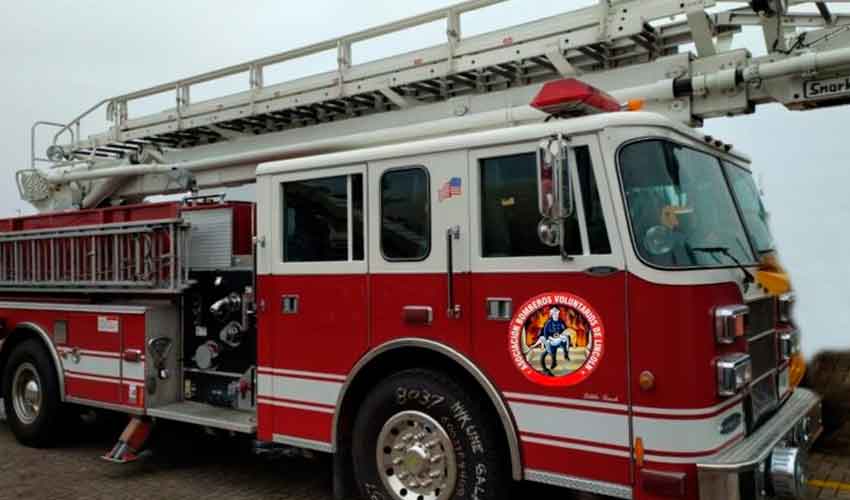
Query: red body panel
91, 353
391, 293
673, 336
129, 213
329, 332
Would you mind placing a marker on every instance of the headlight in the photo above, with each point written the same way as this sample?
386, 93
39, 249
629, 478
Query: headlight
789, 344
734, 373
729, 323
786, 307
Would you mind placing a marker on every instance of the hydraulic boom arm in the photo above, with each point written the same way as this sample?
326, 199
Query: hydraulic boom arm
634, 49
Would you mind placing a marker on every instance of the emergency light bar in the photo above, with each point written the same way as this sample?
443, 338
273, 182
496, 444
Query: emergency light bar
571, 97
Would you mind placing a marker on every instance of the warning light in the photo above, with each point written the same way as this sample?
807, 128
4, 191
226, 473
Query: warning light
639, 452
572, 97
635, 105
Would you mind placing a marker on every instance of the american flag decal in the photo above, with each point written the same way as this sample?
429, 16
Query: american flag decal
451, 188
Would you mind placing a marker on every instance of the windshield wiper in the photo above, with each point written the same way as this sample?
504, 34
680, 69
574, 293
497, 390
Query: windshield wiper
748, 276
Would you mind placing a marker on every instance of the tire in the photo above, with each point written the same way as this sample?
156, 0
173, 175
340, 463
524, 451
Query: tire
31, 395
414, 417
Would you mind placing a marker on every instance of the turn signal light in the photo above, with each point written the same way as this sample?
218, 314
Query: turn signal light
734, 373
572, 97
730, 323
797, 371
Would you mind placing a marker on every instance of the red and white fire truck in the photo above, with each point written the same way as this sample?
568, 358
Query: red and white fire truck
465, 266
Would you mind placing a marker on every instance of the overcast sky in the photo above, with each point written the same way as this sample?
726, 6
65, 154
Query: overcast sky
60, 57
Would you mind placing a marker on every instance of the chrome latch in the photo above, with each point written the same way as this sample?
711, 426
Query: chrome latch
500, 309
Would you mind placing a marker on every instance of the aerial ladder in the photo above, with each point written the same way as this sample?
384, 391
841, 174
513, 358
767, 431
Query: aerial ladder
675, 57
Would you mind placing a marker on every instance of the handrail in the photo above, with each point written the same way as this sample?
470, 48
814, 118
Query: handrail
342, 44
35, 159
76, 121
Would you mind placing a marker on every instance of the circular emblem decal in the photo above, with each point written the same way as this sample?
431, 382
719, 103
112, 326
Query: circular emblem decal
557, 339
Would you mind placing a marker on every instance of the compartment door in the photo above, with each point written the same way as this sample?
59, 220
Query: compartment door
313, 323
92, 355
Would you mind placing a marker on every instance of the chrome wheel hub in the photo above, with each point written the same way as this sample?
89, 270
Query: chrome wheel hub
26, 393
416, 459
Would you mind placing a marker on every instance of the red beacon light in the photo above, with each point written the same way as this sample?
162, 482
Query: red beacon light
571, 97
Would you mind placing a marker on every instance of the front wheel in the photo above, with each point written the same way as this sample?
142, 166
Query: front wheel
31, 395
421, 436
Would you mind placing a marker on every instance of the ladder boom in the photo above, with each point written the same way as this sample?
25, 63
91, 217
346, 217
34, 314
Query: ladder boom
630, 48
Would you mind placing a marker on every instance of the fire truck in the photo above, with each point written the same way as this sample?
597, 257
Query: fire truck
511, 256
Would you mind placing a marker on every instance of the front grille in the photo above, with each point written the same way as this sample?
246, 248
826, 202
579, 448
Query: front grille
764, 352
762, 316
763, 398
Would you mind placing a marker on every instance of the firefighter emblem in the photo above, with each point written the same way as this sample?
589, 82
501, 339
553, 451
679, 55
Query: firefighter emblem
557, 339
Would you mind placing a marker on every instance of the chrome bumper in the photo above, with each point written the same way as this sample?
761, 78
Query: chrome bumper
740, 471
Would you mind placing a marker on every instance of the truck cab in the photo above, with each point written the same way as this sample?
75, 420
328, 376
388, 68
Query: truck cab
602, 273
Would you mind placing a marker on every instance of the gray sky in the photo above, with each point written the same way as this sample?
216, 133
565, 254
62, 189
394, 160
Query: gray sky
58, 60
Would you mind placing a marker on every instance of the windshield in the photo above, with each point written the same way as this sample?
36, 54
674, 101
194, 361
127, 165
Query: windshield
681, 210
749, 201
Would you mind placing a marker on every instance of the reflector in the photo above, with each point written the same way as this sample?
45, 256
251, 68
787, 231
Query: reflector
572, 97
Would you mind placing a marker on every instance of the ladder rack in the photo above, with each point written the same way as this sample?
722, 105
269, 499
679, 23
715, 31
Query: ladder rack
632, 48
138, 257
587, 40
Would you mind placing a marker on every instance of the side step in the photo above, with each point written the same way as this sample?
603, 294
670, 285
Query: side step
131, 442
208, 416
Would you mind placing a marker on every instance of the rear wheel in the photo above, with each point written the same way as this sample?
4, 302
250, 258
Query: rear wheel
31, 395
421, 436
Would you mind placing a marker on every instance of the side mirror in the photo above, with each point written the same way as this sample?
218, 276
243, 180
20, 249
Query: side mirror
555, 188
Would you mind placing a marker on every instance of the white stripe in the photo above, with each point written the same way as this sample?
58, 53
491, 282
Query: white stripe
579, 447
574, 402
297, 406
686, 436
91, 365
94, 379
298, 389
584, 425
133, 371
579, 484
281, 371
686, 412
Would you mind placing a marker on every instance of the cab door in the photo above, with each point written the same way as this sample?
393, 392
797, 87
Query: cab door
549, 324
312, 287
419, 249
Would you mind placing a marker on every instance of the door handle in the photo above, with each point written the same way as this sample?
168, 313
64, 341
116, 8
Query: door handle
452, 234
418, 315
601, 271
132, 355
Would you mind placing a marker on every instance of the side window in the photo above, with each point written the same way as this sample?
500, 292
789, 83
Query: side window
323, 220
510, 213
597, 231
405, 214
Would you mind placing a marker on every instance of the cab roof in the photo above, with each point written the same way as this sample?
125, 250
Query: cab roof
505, 135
